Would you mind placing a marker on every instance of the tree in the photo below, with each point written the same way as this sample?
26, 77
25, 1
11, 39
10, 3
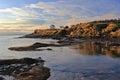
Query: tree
100, 27
66, 27
52, 26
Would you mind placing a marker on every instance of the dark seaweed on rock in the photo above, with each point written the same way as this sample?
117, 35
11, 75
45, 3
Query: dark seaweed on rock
19, 61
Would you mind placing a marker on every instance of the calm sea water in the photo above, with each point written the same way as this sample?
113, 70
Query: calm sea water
75, 62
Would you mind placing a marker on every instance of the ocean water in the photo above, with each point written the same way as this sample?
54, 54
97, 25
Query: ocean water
74, 62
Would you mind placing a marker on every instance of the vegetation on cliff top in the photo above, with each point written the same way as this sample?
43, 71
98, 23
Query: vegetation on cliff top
104, 28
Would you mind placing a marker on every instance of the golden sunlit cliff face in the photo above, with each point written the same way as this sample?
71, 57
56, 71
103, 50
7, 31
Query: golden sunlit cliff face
89, 30
106, 29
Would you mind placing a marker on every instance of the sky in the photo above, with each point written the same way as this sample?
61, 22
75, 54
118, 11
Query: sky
27, 15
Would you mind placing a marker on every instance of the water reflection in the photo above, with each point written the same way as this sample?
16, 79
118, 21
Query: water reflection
92, 49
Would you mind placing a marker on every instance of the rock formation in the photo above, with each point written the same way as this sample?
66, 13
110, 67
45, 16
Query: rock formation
34, 47
24, 69
80, 30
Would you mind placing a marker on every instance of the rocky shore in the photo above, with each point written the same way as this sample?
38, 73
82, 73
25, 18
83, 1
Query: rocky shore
46, 33
82, 30
24, 69
95, 41
105, 33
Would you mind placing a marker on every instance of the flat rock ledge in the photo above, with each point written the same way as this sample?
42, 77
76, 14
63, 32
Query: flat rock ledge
34, 47
24, 69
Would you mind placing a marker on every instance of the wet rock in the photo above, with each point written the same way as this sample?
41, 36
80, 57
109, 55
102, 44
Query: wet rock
114, 44
36, 73
31, 78
49, 49
66, 41
34, 47
105, 43
19, 61
24, 69
24, 74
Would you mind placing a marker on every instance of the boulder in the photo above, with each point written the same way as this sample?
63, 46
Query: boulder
24, 69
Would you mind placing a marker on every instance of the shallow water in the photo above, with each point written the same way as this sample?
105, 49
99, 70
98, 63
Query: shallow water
75, 62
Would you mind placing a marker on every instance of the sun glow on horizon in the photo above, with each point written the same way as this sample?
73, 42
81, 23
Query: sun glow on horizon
32, 14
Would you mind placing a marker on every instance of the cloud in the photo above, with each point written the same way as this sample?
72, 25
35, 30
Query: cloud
101, 17
71, 22
60, 8
95, 18
23, 15
60, 12
77, 9
19, 11
18, 27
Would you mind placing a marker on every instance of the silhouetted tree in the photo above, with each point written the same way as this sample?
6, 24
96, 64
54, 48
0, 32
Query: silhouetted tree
66, 27
52, 26
99, 28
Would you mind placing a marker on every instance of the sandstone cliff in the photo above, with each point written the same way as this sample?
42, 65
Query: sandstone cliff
91, 29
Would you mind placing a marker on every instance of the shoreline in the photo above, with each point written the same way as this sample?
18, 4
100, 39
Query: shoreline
68, 40
72, 41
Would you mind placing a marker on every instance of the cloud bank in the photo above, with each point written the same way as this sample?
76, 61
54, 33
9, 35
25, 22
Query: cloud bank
60, 12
